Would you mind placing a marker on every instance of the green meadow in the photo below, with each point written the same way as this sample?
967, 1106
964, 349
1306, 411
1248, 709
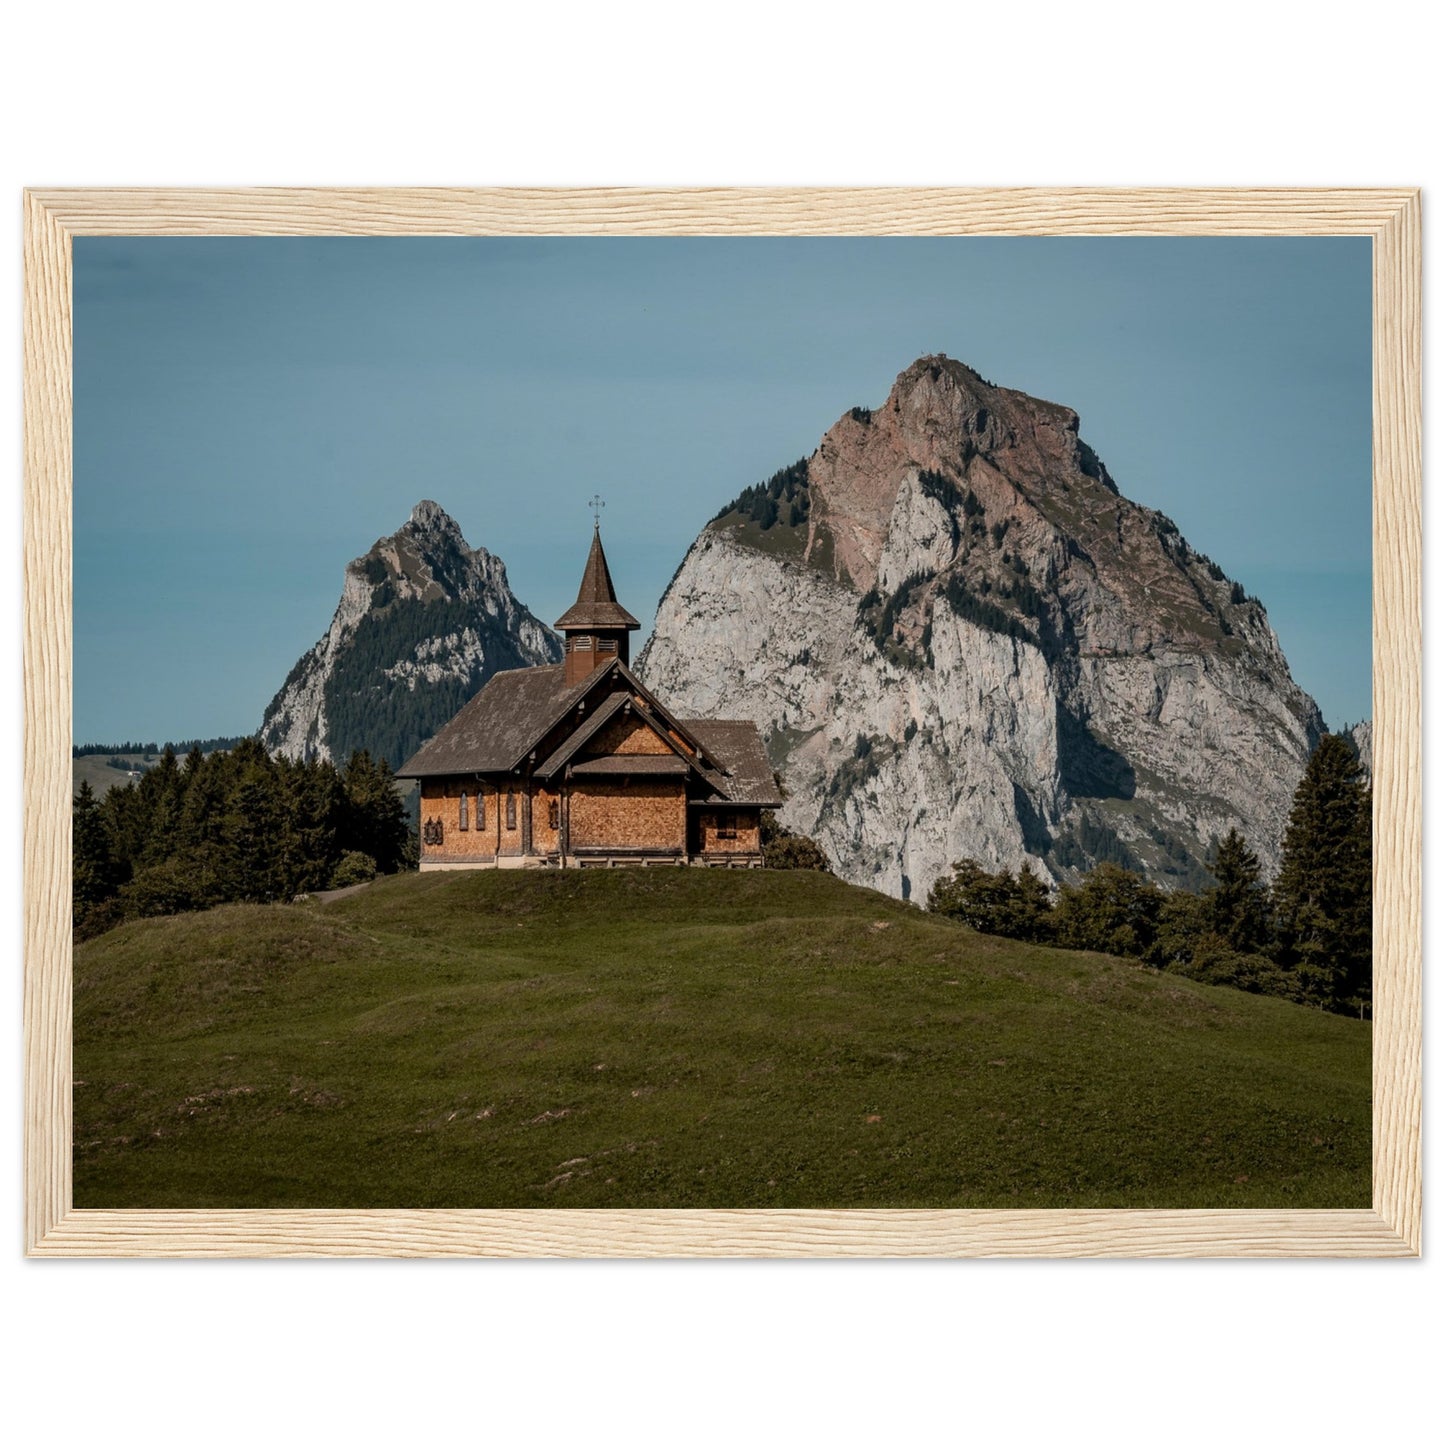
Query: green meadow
684, 1038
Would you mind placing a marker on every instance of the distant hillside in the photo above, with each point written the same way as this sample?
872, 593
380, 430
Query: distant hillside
105, 766
684, 1038
424, 620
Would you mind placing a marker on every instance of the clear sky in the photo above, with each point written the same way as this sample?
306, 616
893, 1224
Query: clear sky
250, 414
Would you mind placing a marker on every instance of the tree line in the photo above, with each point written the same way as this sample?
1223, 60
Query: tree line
206, 745
1306, 938
229, 827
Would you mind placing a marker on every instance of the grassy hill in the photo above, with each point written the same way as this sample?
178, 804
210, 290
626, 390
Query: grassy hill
96, 770
684, 1038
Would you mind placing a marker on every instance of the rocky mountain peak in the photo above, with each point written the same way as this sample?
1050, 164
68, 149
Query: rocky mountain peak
963, 641
421, 612
428, 515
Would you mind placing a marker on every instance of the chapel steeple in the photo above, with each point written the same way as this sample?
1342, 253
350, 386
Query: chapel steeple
596, 625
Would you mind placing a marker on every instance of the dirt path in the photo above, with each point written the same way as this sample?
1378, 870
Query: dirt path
330, 895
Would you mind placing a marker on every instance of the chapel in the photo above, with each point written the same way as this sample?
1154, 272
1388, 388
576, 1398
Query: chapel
578, 765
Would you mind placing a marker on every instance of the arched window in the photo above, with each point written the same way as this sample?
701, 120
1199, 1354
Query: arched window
462, 811
481, 810
511, 810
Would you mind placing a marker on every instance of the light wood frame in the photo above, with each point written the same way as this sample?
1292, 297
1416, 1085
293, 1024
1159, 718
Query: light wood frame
1391, 217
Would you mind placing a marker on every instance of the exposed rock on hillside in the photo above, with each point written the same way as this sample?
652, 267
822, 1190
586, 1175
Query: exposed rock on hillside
1362, 735
424, 620
961, 641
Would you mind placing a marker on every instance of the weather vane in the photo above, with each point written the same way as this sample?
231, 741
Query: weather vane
597, 505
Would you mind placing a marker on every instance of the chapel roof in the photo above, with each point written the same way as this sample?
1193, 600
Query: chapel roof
596, 604
738, 746
516, 710
499, 724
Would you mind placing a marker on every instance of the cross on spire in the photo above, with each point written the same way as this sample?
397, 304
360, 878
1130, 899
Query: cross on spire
597, 505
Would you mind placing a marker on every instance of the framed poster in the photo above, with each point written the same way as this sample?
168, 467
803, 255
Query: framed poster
958, 513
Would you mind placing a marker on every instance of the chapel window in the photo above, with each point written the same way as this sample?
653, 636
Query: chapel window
462, 812
511, 810
552, 813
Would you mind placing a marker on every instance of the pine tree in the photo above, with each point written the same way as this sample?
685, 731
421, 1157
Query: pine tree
1238, 903
1323, 893
93, 871
253, 836
375, 815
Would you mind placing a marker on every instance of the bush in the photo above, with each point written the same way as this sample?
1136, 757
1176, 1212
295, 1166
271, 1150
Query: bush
354, 868
1249, 972
783, 848
1006, 904
1112, 911
176, 885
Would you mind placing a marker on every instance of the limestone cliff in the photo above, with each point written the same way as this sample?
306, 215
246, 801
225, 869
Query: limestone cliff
1362, 735
424, 620
961, 641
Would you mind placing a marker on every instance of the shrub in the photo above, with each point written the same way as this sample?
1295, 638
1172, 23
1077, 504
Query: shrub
353, 868
1009, 905
175, 885
1112, 911
795, 851
783, 848
1249, 972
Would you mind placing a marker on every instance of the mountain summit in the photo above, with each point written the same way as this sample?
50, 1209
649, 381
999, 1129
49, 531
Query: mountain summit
961, 641
424, 620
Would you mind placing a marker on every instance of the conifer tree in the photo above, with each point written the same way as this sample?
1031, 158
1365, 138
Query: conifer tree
93, 873
253, 835
1238, 903
1323, 893
376, 817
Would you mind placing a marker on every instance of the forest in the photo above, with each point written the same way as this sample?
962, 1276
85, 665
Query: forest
1306, 937
230, 827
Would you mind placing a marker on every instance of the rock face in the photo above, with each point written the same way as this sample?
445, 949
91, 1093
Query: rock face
1362, 735
424, 620
961, 641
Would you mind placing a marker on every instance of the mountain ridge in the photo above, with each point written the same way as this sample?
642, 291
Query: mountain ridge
962, 640
423, 621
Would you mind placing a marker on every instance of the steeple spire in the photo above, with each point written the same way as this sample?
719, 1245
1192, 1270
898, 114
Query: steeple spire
596, 604
596, 624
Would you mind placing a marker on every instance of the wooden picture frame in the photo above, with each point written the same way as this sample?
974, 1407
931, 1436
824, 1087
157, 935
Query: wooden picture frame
1391, 1227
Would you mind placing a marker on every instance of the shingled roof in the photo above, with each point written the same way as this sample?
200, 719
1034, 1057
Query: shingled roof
738, 746
596, 604
517, 709
499, 724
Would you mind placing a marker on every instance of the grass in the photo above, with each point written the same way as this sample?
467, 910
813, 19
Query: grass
683, 1038
95, 769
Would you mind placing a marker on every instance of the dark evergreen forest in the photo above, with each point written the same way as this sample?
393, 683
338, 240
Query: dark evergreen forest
390, 716
228, 827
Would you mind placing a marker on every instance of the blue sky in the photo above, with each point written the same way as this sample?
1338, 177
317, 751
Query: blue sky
250, 414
